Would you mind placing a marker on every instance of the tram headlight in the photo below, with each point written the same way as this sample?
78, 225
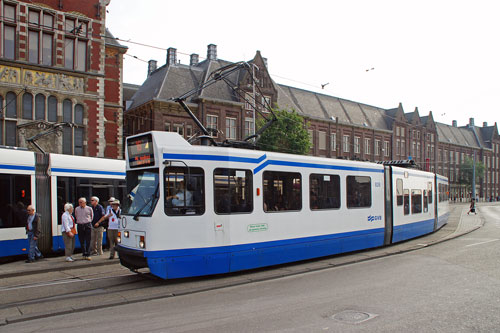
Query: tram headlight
119, 238
142, 242
126, 234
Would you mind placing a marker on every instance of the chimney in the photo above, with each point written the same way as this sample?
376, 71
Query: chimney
171, 56
152, 65
193, 59
212, 52
485, 124
471, 122
454, 123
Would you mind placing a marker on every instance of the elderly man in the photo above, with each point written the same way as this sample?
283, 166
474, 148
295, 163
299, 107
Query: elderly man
33, 232
84, 215
97, 228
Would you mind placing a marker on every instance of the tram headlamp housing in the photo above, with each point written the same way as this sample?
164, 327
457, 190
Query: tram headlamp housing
142, 242
119, 238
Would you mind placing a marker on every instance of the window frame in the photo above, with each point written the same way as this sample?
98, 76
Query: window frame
274, 206
349, 202
318, 176
248, 191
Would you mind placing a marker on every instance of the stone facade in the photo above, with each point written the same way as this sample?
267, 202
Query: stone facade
59, 64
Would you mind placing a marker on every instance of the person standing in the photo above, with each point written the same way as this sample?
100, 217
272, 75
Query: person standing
84, 215
68, 223
33, 232
114, 222
97, 228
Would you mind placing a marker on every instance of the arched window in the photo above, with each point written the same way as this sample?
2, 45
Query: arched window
67, 111
79, 114
11, 105
27, 106
52, 108
40, 107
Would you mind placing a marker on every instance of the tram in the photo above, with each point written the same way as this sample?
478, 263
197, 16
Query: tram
48, 181
202, 210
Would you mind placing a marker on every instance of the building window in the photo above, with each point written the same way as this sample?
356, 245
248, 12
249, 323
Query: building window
249, 101
403, 148
357, 148
167, 127
76, 40
9, 31
333, 138
387, 149
231, 128
322, 140
368, 144
189, 131
179, 128
40, 37
28, 106
378, 147
345, 143
11, 105
40, 107
398, 147
52, 109
311, 137
212, 125
73, 137
249, 127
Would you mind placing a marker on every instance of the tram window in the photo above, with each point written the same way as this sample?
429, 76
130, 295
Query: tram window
406, 201
429, 192
70, 189
399, 192
359, 192
233, 191
416, 201
15, 196
184, 191
324, 191
282, 191
426, 205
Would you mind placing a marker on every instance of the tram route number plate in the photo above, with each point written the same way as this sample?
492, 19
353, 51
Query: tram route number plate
257, 227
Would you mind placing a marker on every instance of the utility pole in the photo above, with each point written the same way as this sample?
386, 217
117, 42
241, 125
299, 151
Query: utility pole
474, 175
253, 94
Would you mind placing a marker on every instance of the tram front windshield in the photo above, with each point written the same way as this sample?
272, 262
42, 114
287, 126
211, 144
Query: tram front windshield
143, 192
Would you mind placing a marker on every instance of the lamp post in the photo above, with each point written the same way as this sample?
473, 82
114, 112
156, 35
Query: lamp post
474, 175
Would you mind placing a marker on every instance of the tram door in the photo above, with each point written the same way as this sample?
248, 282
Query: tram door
388, 205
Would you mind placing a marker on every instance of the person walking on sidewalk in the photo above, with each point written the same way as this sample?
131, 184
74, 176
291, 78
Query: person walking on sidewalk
472, 208
33, 232
84, 215
67, 229
113, 217
97, 228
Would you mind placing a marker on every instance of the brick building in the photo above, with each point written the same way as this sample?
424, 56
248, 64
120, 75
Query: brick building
60, 68
339, 128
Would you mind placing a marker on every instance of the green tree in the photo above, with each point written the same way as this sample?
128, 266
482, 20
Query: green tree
466, 168
288, 134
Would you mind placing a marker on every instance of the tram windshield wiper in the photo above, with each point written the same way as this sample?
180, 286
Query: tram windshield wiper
146, 203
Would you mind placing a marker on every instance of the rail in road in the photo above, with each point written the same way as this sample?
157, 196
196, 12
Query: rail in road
37, 292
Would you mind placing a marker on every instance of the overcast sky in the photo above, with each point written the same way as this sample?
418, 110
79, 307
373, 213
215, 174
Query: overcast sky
439, 56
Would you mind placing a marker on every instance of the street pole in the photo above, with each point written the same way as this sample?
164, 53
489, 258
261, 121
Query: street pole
474, 176
253, 93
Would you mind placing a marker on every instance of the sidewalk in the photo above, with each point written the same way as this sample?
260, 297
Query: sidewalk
459, 223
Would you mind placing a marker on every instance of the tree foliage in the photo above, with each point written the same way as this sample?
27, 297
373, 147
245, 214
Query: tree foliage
288, 134
466, 172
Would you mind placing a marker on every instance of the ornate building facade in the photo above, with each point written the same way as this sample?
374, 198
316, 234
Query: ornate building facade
338, 128
60, 78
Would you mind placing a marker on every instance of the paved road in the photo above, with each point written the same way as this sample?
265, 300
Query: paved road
452, 286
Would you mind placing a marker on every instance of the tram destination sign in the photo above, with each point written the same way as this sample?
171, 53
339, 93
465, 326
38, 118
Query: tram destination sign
140, 151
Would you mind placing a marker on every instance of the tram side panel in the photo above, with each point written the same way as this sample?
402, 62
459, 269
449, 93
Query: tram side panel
17, 184
413, 207
443, 209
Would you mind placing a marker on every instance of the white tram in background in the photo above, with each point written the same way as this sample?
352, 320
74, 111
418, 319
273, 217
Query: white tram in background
245, 209
48, 182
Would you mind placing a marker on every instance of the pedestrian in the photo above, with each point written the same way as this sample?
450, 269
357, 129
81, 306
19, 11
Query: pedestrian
472, 208
68, 230
97, 228
33, 231
84, 215
113, 224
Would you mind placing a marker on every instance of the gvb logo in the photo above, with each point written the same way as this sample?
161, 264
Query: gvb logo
372, 218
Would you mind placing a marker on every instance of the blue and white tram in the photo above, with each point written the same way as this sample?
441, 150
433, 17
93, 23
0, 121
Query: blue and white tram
48, 182
200, 210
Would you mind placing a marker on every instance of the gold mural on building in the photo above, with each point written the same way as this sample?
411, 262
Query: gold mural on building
46, 80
